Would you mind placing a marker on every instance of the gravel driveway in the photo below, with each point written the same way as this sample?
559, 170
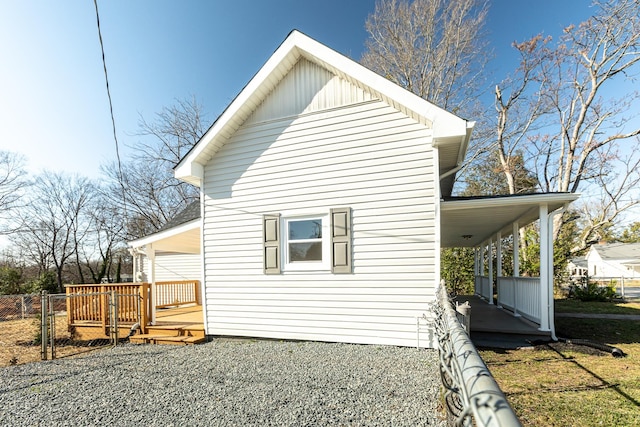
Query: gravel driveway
227, 382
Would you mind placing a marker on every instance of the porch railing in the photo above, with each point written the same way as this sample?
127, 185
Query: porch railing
483, 286
520, 295
179, 292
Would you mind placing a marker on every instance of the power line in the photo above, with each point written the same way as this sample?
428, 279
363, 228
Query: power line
113, 120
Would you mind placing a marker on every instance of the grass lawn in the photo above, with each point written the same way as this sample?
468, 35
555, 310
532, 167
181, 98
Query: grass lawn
566, 305
562, 384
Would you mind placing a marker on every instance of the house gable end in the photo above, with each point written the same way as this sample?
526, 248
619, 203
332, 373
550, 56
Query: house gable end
307, 88
446, 128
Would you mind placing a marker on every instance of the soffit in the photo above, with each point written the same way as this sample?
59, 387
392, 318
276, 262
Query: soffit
184, 239
482, 218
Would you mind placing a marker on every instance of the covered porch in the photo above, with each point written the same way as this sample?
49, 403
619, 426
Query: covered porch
482, 223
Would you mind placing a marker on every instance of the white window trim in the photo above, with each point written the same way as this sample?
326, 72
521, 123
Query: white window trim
324, 265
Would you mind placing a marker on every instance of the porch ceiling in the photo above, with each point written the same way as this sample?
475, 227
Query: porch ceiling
481, 218
182, 239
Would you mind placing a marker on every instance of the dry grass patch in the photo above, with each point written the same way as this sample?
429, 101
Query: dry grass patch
18, 341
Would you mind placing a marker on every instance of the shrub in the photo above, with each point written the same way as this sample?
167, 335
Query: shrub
592, 292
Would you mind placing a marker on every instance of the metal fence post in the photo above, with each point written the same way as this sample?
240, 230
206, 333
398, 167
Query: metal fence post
43, 325
465, 312
114, 317
52, 326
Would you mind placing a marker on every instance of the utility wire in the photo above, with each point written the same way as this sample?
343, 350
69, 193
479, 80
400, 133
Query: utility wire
113, 120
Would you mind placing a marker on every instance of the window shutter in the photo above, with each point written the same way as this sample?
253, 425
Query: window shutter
341, 240
271, 237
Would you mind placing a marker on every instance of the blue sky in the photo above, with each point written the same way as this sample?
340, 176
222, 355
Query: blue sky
53, 103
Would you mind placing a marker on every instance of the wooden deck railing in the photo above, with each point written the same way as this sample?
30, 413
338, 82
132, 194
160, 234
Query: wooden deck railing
177, 292
89, 303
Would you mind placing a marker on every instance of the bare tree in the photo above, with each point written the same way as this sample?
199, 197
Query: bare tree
434, 48
54, 220
97, 253
618, 183
13, 183
519, 106
145, 185
563, 109
591, 124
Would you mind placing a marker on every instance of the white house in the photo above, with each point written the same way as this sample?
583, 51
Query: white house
325, 198
614, 260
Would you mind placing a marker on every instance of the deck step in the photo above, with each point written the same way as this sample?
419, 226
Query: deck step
145, 338
170, 334
165, 339
179, 340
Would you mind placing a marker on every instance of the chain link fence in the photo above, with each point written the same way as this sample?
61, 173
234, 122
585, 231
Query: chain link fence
63, 335
48, 326
472, 396
19, 328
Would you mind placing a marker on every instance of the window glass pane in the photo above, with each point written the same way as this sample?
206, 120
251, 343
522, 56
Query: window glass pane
311, 251
305, 229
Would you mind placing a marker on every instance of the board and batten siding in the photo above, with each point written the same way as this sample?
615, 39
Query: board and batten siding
174, 266
364, 155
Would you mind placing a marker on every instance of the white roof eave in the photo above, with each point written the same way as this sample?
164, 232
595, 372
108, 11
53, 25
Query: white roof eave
446, 126
161, 235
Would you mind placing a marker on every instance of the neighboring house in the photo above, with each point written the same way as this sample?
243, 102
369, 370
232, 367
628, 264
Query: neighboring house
325, 201
614, 260
577, 268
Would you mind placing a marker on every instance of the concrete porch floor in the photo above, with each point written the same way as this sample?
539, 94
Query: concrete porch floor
493, 327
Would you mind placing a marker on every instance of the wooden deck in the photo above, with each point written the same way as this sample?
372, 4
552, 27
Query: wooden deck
92, 313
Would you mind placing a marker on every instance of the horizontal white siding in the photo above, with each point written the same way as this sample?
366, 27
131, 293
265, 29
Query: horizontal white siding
174, 266
366, 156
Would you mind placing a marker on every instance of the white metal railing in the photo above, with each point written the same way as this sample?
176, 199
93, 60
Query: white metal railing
483, 286
520, 295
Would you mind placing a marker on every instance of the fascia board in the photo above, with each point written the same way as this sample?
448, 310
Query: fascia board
187, 226
508, 201
287, 48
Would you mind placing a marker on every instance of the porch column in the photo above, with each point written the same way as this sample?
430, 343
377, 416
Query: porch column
516, 266
490, 262
516, 250
482, 250
476, 266
545, 250
475, 270
151, 254
499, 254
498, 263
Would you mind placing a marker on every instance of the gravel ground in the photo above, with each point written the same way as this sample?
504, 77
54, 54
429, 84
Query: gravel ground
227, 382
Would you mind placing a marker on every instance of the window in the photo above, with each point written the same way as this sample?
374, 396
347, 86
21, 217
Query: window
305, 247
307, 243
304, 240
